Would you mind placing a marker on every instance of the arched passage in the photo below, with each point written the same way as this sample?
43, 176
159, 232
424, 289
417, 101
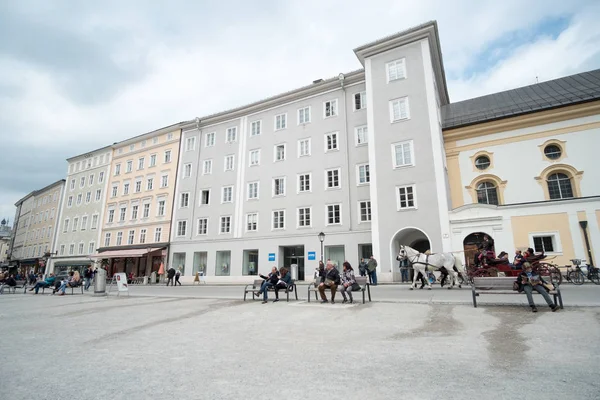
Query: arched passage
472, 242
408, 236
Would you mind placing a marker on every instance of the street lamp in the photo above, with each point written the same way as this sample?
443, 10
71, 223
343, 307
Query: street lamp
322, 239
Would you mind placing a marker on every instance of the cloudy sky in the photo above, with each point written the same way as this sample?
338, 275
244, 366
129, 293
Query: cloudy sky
78, 75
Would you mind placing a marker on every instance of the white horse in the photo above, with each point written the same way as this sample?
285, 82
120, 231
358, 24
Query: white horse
420, 262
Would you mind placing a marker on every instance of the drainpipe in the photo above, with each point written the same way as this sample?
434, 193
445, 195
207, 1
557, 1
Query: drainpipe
341, 78
583, 225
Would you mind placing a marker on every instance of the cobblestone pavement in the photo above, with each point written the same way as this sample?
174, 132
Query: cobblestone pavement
166, 347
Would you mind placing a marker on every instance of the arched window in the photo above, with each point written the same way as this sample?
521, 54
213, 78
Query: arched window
487, 193
559, 186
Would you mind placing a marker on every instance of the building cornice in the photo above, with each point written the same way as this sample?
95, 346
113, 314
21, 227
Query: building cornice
149, 135
89, 154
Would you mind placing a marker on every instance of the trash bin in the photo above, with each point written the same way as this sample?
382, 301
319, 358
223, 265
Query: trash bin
145, 280
153, 278
100, 283
294, 268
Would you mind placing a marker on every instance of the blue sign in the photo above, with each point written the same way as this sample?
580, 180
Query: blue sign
312, 255
271, 256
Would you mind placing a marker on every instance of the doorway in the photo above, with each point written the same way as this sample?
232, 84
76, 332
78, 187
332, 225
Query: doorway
294, 255
472, 243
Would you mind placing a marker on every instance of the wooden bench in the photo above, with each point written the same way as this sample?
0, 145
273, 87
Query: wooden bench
365, 287
81, 284
255, 286
504, 285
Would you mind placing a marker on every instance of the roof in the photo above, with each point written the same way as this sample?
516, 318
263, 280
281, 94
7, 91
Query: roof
542, 96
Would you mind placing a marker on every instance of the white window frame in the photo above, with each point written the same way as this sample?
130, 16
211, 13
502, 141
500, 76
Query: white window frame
131, 237
107, 237
94, 223
310, 182
358, 167
167, 157
394, 64
157, 234
309, 115
152, 160
223, 201
255, 222
110, 212
298, 226
205, 170
337, 141
414, 190
190, 143
275, 152
256, 128
91, 180
327, 223
334, 106
129, 166
200, 197
101, 177
391, 106
187, 170
141, 163
209, 139
205, 226
150, 183
250, 164
284, 186
556, 242
365, 138
257, 183
273, 228
144, 208
412, 154
221, 224
179, 231
98, 196
362, 100
282, 125
226, 161
360, 220
158, 207
339, 170
300, 141
184, 196
231, 134
143, 235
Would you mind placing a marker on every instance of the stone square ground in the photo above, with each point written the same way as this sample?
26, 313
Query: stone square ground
153, 347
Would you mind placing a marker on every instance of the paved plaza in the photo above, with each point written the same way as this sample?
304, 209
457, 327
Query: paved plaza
170, 343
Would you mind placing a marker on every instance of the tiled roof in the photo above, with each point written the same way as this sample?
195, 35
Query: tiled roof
541, 96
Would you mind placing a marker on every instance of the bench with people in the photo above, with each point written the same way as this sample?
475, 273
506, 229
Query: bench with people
11, 284
275, 281
347, 282
60, 286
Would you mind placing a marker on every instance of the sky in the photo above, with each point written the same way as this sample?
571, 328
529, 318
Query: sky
77, 76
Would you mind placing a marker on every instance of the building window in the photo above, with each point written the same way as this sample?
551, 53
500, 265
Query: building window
225, 225
330, 108
91, 180
187, 170
146, 212
227, 194
210, 139
134, 211
552, 152
360, 100
231, 135
72, 186
80, 249
153, 160
141, 163
83, 223
280, 121
190, 143
255, 129
559, 186
303, 183
361, 133
70, 201
363, 174
119, 238
254, 157
251, 222
169, 135
304, 147
482, 162
88, 198
547, 243
304, 217
332, 178
142, 236
129, 166
406, 197
71, 249
331, 141
131, 147
122, 213
334, 214
396, 70
205, 197
252, 190
98, 194
304, 115
202, 226
161, 208
155, 140
487, 193
114, 191
94, 221
184, 200
101, 177
107, 239
91, 247
79, 198
229, 162
181, 228
125, 189
149, 183
111, 216
365, 211
130, 237
279, 219
66, 225
81, 184
157, 234
207, 167
280, 152
279, 186
399, 110
167, 156
62, 249
402, 154
164, 181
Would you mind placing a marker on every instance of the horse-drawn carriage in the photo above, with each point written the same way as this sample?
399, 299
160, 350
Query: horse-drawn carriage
489, 265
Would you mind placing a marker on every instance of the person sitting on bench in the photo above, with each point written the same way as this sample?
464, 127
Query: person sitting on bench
49, 281
531, 281
331, 280
348, 282
283, 282
73, 282
10, 282
269, 280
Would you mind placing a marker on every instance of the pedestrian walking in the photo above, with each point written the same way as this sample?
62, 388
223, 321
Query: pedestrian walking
88, 277
177, 275
372, 268
170, 276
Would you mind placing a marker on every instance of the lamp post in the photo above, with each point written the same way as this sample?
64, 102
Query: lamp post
322, 239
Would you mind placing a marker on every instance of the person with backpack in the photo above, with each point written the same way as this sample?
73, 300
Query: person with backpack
177, 275
170, 276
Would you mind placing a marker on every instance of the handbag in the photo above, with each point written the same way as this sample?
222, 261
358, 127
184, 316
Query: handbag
329, 282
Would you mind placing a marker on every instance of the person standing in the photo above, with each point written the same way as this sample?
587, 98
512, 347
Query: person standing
403, 268
372, 268
362, 267
330, 280
88, 277
177, 275
170, 276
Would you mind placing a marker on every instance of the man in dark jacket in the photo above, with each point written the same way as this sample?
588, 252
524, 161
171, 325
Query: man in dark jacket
531, 281
330, 280
170, 276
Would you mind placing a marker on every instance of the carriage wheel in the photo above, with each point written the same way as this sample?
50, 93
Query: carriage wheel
551, 271
492, 272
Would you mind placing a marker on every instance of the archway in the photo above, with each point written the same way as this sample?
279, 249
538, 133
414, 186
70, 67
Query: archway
472, 242
408, 236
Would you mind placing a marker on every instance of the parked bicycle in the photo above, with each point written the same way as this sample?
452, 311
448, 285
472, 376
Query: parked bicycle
577, 275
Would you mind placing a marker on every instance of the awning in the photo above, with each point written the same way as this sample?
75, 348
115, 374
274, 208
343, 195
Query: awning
124, 253
72, 263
